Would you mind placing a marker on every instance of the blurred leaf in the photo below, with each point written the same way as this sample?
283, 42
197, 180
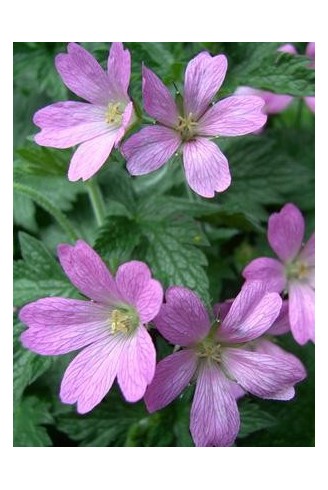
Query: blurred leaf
29, 417
253, 418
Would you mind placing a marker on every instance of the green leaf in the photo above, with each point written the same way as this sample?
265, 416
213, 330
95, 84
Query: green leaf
253, 418
24, 212
29, 417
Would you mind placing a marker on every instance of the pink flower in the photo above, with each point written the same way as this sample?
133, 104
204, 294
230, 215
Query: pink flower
224, 357
293, 272
98, 125
275, 103
191, 127
110, 327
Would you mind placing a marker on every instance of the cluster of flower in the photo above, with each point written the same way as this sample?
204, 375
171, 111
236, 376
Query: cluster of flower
227, 351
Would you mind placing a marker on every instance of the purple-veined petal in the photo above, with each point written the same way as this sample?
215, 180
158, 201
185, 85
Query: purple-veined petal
301, 311
91, 374
158, 100
221, 310
60, 325
214, 419
137, 365
251, 314
203, 78
172, 375
274, 103
262, 375
281, 325
207, 169
119, 71
183, 319
91, 156
310, 102
127, 120
83, 75
150, 148
69, 123
286, 231
270, 271
234, 116
88, 272
136, 286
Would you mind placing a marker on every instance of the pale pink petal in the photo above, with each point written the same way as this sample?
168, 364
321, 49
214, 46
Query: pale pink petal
150, 148
88, 272
203, 78
136, 286
83, 75
214, 418
91, 374
274, 103
183, 319
207, 169
66, 124
119, 71
158, 101
301, 311
59, 325
310, 102
287, 48
137, 365
251, 314
233, 116
91, 156
262, 375
270, 271
281, 324
310, 50
307, 253
286, 231
172, 375
127, 119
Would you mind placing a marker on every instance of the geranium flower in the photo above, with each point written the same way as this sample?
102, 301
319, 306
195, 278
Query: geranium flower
224, 357
110, 328
99, 124
293, 273
192, 126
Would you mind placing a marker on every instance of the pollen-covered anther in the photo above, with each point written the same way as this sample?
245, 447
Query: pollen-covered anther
298, 270
210, 350
121, 321
187, 127
114, 113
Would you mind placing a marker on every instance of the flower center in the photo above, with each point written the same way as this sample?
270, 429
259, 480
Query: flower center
114, 113
297, 270
209, 349
124, 321
187, 127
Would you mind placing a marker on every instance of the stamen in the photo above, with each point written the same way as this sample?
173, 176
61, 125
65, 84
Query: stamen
114, 114
123, 321
186, 127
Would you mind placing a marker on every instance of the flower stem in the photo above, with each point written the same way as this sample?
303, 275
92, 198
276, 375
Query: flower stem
97, 201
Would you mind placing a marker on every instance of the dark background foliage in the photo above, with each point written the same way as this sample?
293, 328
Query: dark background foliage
202, 244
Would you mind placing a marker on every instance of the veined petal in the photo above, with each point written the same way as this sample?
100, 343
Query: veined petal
286, 231
127, 119
183, 319
137, 365
172, 375
158, 100
91, 156
119, 71
207, 169
214, 419
83, 75
274, 103
233, 116
87, 272
281, 325
270, 271
60, 325
137, 287
301, 311
307, 253
203, 78
91, 374
150, 148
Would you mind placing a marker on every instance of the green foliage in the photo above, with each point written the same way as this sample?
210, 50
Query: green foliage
29, 419
254, 419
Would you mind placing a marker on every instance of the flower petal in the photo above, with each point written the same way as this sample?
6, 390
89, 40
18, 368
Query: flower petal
301, 311
286, 231
183, 319
136, 286
60, 325
137, 365
310, 102
310, 50
251, 314
214, 419
150, 148
88, 272
281, 324
270, 271
66, 124
172, 375
158, 100
207, 169
83, 75
91, 156
91, 374
287, 48
262, 375
233, 116
119, 71
203, 78
274, 103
